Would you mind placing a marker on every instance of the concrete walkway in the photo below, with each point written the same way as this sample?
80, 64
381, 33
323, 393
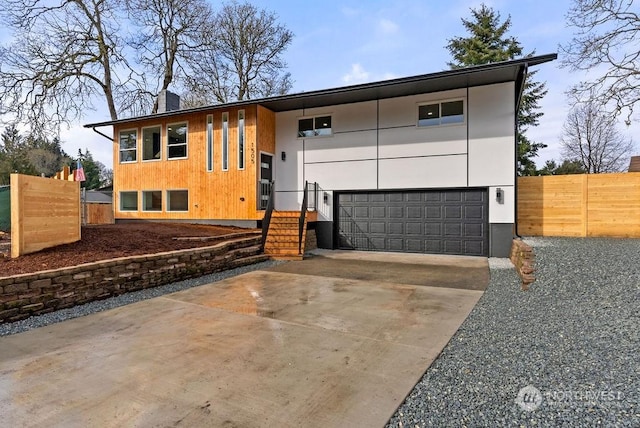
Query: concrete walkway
335, 340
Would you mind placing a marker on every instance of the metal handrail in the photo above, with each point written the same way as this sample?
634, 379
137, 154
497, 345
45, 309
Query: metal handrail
266, 220
303, 213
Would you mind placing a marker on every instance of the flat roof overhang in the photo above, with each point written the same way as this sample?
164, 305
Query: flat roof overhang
487, 74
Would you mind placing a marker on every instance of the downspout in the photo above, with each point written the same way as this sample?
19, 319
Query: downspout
523, 73
100, 133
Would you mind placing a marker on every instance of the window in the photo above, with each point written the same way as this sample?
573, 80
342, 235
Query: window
210, 142
241, 139
225, 141
314, 126
152, 200
128, 145
177, 200
441, 113
151, 143
128, 201
177, 140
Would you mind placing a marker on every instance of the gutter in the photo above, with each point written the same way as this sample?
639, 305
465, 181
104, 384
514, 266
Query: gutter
100, 133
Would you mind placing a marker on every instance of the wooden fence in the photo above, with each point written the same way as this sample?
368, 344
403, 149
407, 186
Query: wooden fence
97, 213
580, 205
44, 213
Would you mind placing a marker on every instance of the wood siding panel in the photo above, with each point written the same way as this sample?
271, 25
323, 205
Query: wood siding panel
580, 205
214, 195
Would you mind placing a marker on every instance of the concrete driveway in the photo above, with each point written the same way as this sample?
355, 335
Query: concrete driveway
335, 340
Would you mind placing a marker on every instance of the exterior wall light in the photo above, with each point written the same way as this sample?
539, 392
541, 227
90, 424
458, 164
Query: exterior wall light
283, 156
500, 195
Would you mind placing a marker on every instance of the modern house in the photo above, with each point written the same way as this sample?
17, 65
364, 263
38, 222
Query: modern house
417, 164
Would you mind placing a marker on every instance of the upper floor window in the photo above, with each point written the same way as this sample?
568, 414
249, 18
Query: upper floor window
128, 145
210, 142
441, 113
177, 140
314, 126
225, 141
151, 143
241, 139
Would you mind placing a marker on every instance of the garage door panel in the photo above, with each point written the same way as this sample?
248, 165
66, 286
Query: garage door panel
433, 212
361, 212
378, 212
474, 212
453, 212
414, 228
414, 212
446, 222
452, 196
396, 212
474, 230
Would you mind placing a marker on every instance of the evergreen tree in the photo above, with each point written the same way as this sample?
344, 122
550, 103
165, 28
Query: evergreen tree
488, 42
14, 155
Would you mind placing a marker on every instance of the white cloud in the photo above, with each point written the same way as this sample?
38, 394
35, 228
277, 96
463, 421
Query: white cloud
356, 75
386, 26
359, 75
350, 11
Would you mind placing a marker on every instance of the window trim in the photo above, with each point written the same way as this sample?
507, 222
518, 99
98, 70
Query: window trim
439, 102
315, 128
135, 149
186, 143
168, 199
142, 159
225, 141
242, 139
210, 142
121, 209
143, 209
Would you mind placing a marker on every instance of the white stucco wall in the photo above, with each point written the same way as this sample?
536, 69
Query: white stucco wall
378, 145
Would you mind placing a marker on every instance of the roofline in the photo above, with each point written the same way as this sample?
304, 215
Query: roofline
526, 62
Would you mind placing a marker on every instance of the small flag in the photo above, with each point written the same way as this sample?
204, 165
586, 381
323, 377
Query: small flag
78, 174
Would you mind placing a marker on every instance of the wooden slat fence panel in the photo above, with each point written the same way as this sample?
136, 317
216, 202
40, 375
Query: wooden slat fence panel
580, 205
44, 213
99, 213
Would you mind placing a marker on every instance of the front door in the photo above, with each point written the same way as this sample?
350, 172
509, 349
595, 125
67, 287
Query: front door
266, 176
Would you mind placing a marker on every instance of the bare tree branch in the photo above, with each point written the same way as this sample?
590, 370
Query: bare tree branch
241, 56
171, 31
607, 40
590, 136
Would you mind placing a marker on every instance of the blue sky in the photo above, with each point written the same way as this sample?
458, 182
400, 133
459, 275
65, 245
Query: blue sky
338, 43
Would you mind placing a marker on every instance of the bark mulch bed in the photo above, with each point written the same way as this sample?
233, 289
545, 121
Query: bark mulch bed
109, 241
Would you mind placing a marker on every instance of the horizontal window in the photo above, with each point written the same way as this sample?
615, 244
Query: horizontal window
441, 113
128, 142
177, 200
177, 140
152, 200
128, 201
314, 126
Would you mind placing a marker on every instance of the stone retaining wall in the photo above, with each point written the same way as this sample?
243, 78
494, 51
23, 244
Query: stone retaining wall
22, 296
523, 259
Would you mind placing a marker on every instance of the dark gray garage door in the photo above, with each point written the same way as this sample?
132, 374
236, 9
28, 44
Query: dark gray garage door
437, 222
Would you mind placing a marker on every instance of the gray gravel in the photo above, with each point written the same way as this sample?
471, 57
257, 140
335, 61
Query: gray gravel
574, 338
124, 299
